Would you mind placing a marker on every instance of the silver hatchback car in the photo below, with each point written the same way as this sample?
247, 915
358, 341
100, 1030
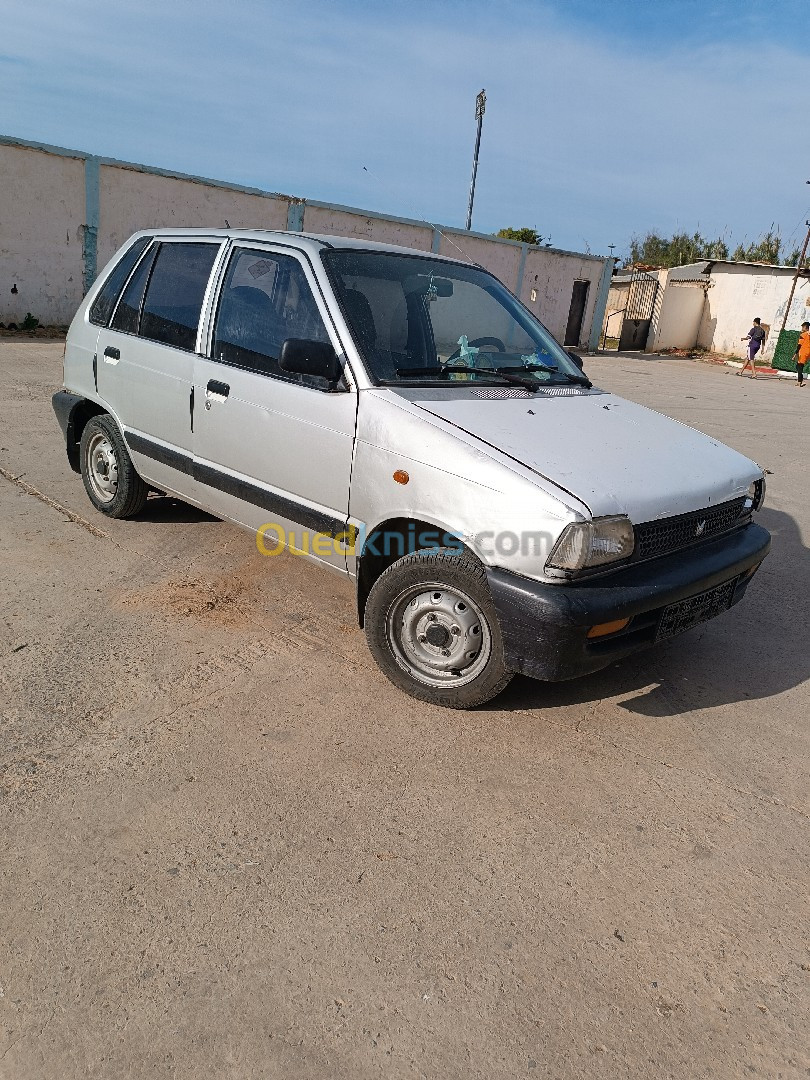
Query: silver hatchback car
403, 419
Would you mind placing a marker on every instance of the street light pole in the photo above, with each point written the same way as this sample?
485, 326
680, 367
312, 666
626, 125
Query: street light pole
480, 108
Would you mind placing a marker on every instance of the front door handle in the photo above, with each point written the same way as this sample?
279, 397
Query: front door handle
217, 389
111, 355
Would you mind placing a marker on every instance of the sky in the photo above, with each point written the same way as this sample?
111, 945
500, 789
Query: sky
604, 118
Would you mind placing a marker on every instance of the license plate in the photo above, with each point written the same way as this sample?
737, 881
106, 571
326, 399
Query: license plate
695, 609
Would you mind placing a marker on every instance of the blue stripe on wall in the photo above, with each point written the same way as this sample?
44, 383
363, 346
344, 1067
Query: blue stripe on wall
91, 220
295, 215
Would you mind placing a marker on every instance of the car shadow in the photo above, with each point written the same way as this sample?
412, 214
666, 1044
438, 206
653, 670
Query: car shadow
166, 508
755, 651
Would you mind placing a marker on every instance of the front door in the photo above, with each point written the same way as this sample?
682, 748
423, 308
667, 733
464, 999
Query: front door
274, 450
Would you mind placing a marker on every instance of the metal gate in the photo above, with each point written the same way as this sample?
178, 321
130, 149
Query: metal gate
639, 310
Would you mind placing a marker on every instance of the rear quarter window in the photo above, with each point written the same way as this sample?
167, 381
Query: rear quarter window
103, 305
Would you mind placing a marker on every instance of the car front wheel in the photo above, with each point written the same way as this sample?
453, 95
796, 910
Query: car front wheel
432, 628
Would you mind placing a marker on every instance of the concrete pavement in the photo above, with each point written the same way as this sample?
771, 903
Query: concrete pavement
231, 848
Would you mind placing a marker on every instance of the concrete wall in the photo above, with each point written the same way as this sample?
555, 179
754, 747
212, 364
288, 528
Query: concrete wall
334, 221
716, 312
131, 200
64, 213
739, 293
678, 314
551, 276
42, 216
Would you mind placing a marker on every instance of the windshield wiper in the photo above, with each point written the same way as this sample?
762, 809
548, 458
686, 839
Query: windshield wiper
581, 380
506, 375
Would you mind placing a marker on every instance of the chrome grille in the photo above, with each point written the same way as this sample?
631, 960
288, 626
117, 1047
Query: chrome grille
669, 534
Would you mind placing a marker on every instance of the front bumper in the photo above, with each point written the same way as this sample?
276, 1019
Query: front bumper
545, 627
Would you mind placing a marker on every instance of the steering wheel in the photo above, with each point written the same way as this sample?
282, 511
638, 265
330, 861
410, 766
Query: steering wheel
479, 343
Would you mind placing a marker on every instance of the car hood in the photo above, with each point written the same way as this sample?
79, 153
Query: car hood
613, 455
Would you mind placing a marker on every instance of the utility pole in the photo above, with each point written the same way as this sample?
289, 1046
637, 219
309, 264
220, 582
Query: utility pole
480, 108
796, 275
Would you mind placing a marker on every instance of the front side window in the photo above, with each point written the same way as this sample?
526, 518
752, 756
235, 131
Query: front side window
265, 300
102, 306
418, 320
174, 295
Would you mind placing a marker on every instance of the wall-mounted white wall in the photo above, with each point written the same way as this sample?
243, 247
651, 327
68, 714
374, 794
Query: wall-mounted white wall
334, 221
551, 276
131, 200
739, 293
63, 214
716, 310
42, 215
678, 314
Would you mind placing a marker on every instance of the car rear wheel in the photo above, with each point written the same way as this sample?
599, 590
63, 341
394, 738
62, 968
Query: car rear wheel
432, 628
109, 476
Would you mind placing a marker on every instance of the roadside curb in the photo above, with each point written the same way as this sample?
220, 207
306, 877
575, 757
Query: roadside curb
766, 372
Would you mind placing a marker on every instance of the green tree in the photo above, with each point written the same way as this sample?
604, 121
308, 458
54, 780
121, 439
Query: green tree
766, 250
524, 235
676, 250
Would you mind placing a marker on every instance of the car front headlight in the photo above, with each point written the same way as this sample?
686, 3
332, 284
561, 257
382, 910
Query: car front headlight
592, 543
754, 497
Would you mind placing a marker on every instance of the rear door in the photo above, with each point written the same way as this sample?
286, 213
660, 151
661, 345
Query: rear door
145, 358
274, 449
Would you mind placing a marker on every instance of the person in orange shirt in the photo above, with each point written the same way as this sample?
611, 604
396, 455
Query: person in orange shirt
802, 354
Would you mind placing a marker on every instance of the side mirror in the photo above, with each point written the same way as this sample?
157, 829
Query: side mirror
302, 357
575, 357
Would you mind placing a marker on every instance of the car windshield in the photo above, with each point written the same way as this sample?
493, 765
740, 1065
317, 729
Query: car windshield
419, 320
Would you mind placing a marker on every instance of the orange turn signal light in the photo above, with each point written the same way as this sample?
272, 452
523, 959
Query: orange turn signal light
401, 476
603, 628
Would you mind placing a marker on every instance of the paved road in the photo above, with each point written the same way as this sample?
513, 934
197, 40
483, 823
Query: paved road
231, 849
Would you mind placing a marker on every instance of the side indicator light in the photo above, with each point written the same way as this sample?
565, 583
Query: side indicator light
401, 476
601, 629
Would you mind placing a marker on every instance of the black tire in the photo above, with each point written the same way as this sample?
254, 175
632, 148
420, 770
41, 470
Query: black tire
445, 594
109, 476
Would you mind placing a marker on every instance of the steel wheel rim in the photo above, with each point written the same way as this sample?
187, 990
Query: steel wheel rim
438, 635
102, 467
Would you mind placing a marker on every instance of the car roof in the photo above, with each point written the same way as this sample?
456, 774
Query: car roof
311, 242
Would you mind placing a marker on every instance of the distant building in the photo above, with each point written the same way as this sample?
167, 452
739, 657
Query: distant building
706, 305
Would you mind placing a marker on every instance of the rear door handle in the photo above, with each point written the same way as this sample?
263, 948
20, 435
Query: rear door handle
111, 355
217, 389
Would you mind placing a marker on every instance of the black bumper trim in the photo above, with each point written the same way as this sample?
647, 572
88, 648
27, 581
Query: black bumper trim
175, 459
544, 627
306, 516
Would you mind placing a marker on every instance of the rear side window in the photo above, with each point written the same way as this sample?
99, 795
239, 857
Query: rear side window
128, 313
174, 296
102, 306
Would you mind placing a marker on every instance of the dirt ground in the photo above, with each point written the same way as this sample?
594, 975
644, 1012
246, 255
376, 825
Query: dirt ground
232, 849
